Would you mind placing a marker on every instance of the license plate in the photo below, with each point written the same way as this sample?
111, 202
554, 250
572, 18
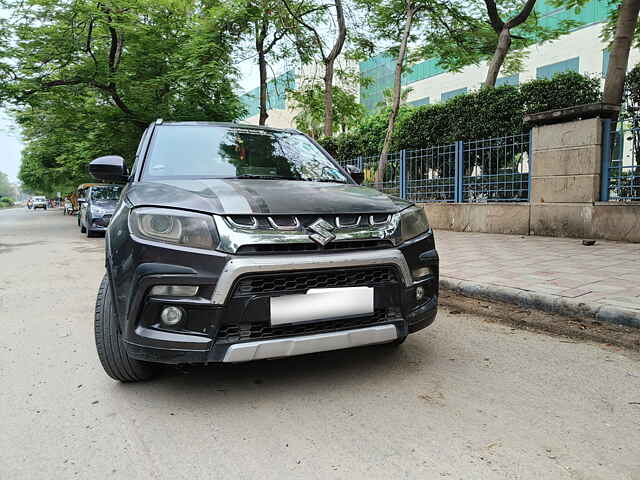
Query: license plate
322, 303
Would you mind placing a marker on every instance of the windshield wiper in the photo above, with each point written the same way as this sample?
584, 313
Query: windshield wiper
324, 180
264, 177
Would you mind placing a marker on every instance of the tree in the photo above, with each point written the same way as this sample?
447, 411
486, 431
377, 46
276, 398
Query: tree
6, 189
466, 33
310, 103
328, 58
84, 78
271, 34
503, 29
627, 21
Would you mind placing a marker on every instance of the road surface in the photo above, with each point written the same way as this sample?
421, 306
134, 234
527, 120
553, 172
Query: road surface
463, 399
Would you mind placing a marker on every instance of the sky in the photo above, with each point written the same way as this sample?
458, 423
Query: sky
10, 147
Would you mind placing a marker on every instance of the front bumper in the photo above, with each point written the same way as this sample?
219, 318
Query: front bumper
228, 323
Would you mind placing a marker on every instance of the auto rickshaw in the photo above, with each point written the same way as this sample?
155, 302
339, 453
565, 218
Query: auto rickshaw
78, 196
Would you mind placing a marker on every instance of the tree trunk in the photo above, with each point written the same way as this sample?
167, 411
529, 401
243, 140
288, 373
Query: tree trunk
328, 99
504, 42
619, 56
397, 86
262, 67
328, 73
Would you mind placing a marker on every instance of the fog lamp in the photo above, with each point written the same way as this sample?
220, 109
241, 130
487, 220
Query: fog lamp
419, 293
175, 290
171, 315
421, 272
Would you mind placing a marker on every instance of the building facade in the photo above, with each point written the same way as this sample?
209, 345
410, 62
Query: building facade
581, 50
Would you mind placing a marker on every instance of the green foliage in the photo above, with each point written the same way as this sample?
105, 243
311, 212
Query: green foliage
485, 113
6, 201
563, 90
464, 35
632, 91
347, 112
6, 189
84, 78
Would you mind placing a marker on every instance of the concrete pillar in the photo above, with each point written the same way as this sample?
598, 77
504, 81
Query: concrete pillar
565, 177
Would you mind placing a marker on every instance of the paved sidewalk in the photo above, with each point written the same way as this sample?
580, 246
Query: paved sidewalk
555, 274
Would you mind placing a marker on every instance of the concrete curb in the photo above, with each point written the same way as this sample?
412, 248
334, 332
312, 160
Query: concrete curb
544, 302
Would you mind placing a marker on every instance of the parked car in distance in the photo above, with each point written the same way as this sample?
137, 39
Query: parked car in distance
97, 207
39, 202
235, 243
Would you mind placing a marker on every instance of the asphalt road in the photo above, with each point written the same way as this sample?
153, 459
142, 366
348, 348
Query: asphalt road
463, 399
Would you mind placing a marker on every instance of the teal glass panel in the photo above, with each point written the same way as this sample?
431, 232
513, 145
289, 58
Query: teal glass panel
548, 71
452, 93
510, 80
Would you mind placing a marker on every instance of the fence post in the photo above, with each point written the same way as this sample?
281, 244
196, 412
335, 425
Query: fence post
403, 174
458, 195
530, 166
606, 160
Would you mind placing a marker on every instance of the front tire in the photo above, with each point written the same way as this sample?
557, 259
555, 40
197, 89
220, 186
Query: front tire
113, 356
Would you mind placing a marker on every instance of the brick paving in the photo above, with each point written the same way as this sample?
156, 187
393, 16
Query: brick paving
607, 273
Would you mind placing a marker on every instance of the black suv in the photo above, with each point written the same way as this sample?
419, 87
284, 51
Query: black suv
233, 242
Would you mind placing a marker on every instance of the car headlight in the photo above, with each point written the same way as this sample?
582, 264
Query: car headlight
177, 227
413, 222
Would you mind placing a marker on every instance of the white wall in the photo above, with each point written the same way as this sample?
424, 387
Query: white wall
584, 43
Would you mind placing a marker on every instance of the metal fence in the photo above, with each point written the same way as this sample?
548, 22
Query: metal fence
487, 170
621, 162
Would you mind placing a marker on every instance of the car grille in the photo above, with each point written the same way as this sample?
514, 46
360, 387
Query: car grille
312, 247
259, 331
289, 222
290, 282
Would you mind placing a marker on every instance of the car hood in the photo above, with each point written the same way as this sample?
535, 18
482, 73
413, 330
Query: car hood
253, 196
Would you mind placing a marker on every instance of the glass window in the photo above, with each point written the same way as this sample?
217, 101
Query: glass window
106, 192
605, 62
199, 151
510, 80
452, 93
420, 101
548, 71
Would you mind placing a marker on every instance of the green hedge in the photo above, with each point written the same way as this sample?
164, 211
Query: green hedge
6, 202
485, 113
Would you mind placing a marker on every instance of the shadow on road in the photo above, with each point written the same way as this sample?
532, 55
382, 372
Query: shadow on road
359, 368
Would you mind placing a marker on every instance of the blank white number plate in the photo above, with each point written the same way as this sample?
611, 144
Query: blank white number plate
321, 303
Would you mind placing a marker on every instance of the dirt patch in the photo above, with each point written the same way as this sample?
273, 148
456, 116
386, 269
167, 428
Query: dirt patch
7, 247
519, 317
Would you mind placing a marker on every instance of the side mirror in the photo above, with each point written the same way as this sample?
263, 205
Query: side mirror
355, 173
109, 168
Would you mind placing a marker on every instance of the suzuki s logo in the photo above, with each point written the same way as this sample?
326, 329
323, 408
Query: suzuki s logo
322, 231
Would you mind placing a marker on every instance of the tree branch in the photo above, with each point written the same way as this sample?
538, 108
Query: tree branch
522, 16
494, 18
301, 21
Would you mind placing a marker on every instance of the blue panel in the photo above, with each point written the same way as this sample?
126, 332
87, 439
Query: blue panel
276, 94
510, 80
420, 101
548, 71
452, 93
605, 62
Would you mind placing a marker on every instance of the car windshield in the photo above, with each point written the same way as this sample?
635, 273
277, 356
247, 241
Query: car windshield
199, 151
38, 199
108, 192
